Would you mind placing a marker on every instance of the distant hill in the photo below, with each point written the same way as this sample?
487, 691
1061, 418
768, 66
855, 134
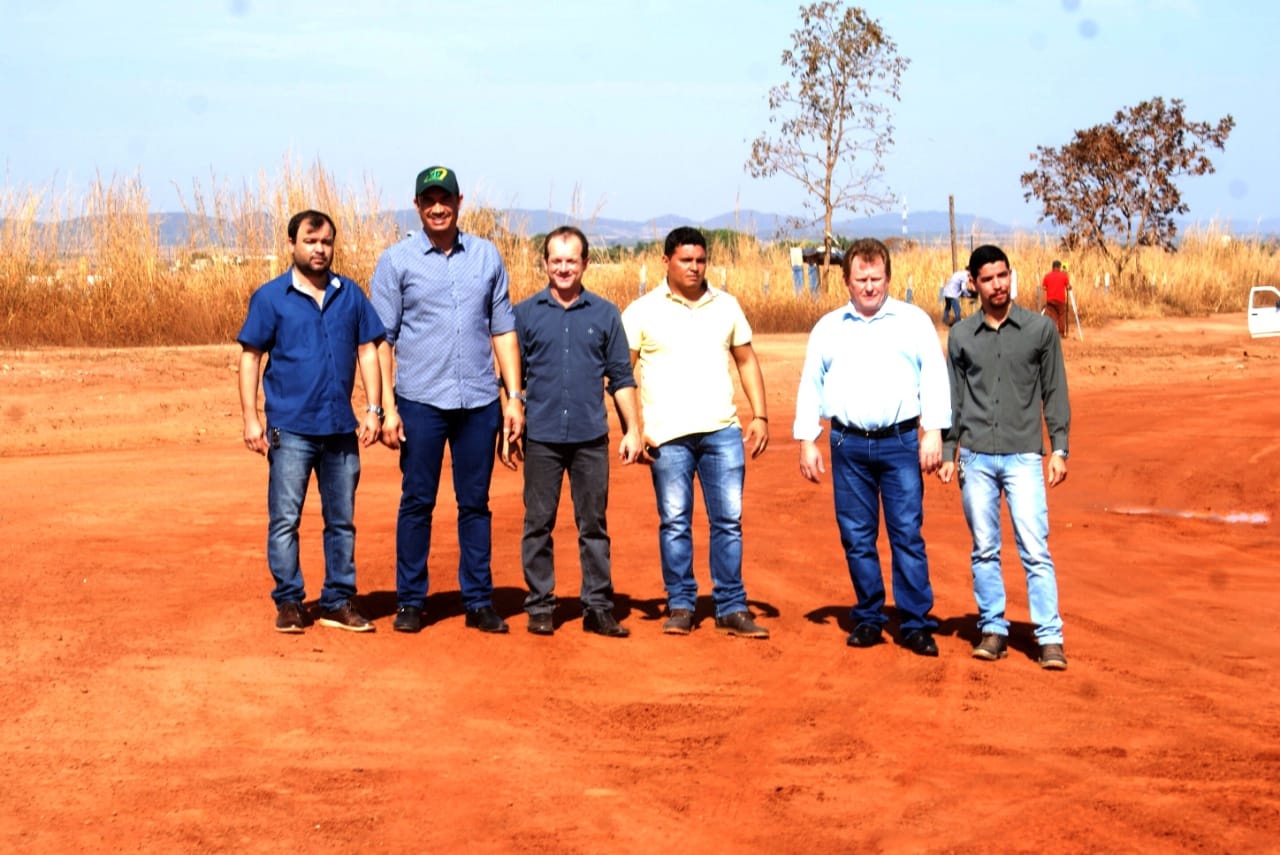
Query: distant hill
175, 228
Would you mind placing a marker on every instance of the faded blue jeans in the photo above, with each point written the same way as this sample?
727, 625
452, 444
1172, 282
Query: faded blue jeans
720, 463
983, 477
335, 459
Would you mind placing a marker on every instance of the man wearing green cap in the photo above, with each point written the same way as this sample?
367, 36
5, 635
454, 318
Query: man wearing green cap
442, 296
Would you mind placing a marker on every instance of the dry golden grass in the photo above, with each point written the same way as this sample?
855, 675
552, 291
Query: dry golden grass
92, 270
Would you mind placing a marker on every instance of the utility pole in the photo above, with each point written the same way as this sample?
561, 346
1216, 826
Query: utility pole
951, 208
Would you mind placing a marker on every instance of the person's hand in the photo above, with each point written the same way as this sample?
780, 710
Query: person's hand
757, 436
513, 419
1057, 469
647, 450
392, 434
255, 437
370, 429
947, 471
811, 465
631, 449
930, 452
510, 451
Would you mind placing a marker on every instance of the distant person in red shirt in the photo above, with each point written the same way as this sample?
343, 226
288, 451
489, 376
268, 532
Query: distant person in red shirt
1056, 284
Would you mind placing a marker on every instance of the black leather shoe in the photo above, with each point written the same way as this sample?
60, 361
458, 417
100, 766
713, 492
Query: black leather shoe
865, 635
486, 619
602, 622
541, 624
408, 619
920, 642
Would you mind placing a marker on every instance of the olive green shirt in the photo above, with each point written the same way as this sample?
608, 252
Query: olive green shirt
1002, 381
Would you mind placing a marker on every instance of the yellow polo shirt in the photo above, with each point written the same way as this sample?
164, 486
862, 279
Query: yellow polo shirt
683, 347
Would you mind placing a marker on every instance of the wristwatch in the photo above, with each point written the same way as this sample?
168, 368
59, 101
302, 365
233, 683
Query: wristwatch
519, 396
376, 410
1058, 452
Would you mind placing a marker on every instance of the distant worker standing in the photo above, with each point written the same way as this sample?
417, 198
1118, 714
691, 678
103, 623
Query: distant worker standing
314, 327
1056, 284
952, 290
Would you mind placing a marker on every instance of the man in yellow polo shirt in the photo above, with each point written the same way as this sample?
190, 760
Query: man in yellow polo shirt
681, 336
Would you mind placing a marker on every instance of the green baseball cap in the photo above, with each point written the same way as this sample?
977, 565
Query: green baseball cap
436, 176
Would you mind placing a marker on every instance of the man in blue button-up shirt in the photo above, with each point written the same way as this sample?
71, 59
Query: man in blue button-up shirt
314, 326
571, 344
442, 295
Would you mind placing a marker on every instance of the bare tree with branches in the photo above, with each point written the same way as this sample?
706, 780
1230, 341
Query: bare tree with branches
831, 124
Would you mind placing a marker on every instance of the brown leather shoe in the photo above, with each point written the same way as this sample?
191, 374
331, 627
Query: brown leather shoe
679, 622
289, 618
992, 647
742, 624
346, 618
1052, 658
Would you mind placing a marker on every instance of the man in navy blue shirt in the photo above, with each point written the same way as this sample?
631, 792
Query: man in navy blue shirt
442, 296
314, 326
571, 343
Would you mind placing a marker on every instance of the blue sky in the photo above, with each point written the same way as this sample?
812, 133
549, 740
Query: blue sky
635, 108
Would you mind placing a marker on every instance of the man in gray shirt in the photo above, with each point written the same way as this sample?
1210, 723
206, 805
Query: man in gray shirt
1006, 375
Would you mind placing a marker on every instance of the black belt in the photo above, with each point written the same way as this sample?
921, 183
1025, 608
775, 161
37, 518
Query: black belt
878, 433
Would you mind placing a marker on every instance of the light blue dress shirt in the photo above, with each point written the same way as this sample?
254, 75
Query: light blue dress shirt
874, 372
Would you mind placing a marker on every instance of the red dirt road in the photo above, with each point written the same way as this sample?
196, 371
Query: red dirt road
148, 704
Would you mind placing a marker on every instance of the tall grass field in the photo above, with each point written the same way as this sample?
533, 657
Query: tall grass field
91, 270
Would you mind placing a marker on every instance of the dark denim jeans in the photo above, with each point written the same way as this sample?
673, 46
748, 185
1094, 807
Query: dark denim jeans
719, 461
867, 472
335, 459
472, 437
545, 465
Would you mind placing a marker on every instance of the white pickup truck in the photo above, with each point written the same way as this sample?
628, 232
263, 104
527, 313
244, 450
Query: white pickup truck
1264, 311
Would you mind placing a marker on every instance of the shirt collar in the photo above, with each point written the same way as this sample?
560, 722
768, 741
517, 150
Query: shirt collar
296, 280
459, 242
545, 296
707, 296
1017, 315
888, 308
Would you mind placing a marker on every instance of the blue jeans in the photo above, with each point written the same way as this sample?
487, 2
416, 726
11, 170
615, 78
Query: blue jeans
720, 463
545, 465
865, 474
950, 309
472, 436
797, 278
1021, 478
335, 459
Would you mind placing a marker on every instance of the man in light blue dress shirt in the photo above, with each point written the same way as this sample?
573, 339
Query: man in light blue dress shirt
875, 369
